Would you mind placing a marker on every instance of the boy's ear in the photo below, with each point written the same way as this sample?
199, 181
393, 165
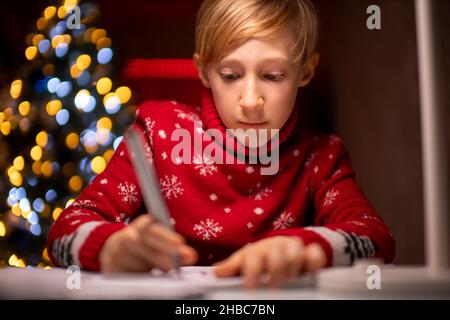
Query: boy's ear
308, 70
201, 71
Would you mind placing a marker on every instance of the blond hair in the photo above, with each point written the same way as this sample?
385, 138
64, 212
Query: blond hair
221, 23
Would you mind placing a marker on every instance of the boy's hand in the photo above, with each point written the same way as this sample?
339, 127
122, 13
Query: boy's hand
282, 257
143, 245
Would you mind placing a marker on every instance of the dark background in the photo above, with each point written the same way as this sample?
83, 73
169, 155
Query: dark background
366, 87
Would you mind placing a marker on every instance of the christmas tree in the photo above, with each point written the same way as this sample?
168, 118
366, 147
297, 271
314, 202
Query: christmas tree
60, 122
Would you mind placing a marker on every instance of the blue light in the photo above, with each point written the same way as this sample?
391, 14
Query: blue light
33, 218
62, 117
12, 191
79, 31
52, 84
11, 201
83, 163
63, 89
61, 49
35, 229
32, 181
83, 100
60, 27
88, 138
50, 142
55, 166
90, 105
116, 142
104, 55
55, 31
20, 193
24, 205
41, 85
84, 79
51, 195
38, 205
44, 45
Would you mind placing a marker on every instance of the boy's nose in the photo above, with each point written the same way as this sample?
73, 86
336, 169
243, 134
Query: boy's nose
251, 101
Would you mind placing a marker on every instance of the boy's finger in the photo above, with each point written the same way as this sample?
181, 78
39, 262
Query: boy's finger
276, 266
294, 254
252, 268
228, 267
315, 257
152, 258
166, 234
188, 255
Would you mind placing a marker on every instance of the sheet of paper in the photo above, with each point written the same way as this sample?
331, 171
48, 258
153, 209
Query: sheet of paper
192, 282
58, 283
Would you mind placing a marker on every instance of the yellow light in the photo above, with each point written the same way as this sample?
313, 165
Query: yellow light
16, 210
69, 3
36, 153
53, 107
41, 23
24, 108
75, 183
2, 229
42, 139
124, 94
13, 260
108, 154
104, 42
48, 69
49, 12
2, 117
5, 128
8, 113
16, 88
47, 168
62, 12
104, 123
46, 212
56, 213
104, 85
45, 255
72, 140
19, 163
16, 179
83, 62
97, 35
98, 164
36, 167
37, 38
31, 52
69, 202
20, 264
75, 72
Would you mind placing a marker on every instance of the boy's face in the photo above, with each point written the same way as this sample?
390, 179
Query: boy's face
255, 85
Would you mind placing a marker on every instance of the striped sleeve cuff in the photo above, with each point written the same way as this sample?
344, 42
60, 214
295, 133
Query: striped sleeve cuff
83, 246
346, 247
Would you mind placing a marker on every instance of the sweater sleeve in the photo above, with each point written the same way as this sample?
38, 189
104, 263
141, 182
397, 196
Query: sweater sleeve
103, 207
343, 222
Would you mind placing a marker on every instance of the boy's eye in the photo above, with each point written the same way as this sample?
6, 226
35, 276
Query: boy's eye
229, 76
274, 77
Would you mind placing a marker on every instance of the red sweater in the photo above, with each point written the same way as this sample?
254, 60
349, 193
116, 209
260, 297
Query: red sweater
219, 208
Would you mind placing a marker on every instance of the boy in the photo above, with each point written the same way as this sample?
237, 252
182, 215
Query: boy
252, 56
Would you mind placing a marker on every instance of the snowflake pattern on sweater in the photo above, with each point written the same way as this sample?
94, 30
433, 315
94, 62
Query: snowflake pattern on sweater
219, 208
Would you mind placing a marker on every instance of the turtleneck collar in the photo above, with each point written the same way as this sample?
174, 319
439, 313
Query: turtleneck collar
212, 120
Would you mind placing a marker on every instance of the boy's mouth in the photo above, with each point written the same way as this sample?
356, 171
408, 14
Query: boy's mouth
253, 124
